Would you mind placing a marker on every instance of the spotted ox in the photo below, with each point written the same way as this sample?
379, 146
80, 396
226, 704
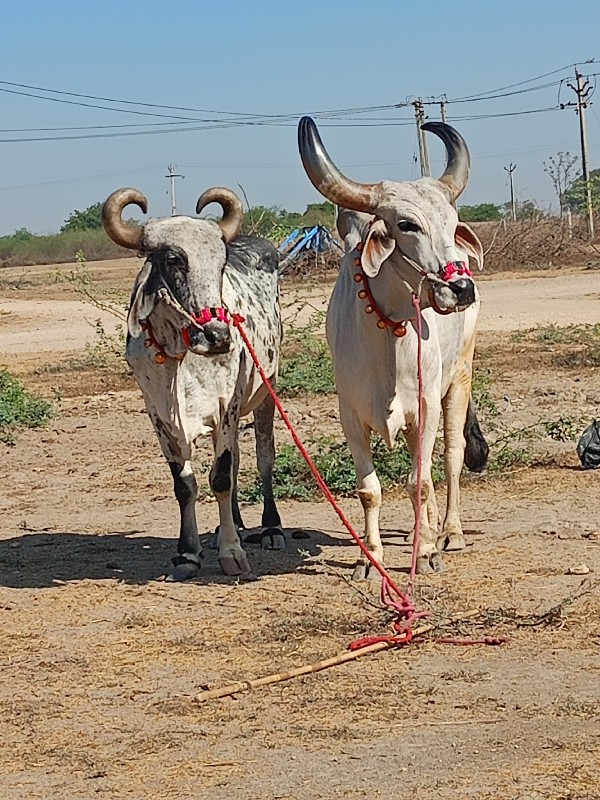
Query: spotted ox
192, 367
403, 239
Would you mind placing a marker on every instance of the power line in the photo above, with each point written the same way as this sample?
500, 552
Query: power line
232, 124
514, 85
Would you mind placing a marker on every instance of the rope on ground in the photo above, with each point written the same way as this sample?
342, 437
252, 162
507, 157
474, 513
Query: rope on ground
340, 658
392, 596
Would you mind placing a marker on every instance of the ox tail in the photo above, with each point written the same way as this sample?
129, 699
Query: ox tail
476, 450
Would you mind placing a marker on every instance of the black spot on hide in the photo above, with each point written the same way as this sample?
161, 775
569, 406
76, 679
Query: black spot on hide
221, 477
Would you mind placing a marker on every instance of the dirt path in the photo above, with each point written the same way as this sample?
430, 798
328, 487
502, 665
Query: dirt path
100, 661
30, 325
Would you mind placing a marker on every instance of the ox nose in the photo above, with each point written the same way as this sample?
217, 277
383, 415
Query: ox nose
464, 289
217, 336
209, 339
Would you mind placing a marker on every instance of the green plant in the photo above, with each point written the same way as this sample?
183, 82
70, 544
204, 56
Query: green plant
107, 349
89, 219
293, 479
19, 409
306, 362
484, 212
480, 391
564, 429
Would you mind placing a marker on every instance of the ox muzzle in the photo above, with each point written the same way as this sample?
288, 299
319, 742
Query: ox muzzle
456, 290
209, 334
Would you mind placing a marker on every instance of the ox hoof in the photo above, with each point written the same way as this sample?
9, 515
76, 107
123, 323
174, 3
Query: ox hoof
272, 539
183, 572
451, 542
427, 565
235, 563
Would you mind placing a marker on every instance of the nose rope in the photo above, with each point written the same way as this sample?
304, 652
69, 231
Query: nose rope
198, 320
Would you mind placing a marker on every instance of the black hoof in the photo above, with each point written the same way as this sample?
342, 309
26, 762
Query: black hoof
185, 569
272, 539
183, 572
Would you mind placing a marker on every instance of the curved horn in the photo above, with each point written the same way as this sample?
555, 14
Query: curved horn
326, 177
456, 174
233, 211
123, 233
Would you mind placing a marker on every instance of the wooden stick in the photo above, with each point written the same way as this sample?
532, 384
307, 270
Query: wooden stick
308, 669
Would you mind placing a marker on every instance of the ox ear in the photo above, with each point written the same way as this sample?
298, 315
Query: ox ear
142, 302
467, 239
378, 247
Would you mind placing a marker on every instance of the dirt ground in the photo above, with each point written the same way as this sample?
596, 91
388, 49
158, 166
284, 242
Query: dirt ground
100, 660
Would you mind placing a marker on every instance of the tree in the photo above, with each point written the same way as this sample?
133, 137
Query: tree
88, 220
319, 214
484, 212
22, 235
526, 209
560, 168
575, 194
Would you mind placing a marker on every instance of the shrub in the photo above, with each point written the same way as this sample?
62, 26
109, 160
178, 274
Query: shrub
19, 409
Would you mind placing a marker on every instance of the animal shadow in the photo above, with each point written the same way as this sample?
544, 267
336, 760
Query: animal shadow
42, 559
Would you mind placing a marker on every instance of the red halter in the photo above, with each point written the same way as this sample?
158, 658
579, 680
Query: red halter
399, 326
201, 318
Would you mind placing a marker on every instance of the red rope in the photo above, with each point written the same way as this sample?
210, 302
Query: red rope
391, 596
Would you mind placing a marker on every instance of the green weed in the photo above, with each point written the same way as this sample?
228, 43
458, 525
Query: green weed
306, 365
480, 391
19, 409
293, 479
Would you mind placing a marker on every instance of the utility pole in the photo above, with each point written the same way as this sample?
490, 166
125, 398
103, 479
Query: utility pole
513, 208
172, 175
423, 152
583, 89
443, 109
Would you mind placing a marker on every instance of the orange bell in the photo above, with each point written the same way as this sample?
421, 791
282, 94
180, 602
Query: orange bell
363, 294
160, 358
357, 262
358, 277
359, 246
400, 330
369, 309
380, 324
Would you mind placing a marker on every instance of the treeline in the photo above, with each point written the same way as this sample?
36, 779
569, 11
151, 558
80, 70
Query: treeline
83, 232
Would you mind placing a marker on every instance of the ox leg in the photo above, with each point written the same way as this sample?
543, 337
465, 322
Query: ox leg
428, 558
358, 437
235, 506
271, 537
455, 405
232, 558
187, 562
237, 514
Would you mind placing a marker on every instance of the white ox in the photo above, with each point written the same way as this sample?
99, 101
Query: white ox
403, 238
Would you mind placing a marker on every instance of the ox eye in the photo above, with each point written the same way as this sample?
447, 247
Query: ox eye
174, 260
406, 226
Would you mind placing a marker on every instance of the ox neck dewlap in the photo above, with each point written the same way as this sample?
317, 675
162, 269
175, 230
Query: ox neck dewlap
199, 319
399, 326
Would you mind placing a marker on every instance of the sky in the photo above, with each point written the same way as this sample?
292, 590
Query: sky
260, 58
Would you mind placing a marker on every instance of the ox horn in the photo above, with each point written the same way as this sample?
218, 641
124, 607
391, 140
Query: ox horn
456, 174
233, 211
123, 233
326, 177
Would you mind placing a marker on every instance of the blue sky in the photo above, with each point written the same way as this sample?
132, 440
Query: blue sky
278, 58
